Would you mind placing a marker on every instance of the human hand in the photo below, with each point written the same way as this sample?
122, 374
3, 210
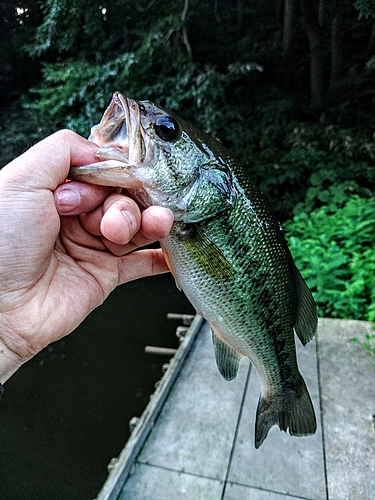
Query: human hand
64, 246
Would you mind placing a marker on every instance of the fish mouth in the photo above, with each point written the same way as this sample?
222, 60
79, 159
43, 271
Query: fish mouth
122, 142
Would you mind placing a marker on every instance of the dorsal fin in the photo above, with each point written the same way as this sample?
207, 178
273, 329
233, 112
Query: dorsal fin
227, 359
307, 319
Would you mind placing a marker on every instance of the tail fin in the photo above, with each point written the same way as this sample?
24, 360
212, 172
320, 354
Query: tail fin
290, 409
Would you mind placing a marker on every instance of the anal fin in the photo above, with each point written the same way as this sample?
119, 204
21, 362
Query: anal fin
227, 359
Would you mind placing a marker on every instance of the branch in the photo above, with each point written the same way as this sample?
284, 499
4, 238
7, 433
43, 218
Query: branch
143, 9
185, 37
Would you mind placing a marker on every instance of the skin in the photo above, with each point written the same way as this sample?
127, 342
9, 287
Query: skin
64, 246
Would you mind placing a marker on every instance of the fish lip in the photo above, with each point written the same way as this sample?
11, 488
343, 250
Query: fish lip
107, 173
126, 149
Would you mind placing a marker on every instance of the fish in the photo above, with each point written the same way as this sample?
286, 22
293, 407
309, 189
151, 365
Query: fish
226, 250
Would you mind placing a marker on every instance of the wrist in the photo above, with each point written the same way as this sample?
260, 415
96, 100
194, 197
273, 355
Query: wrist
9, 363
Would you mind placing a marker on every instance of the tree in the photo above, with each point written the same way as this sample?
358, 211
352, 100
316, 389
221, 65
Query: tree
18, 70
312, 20
336, 45
290, 8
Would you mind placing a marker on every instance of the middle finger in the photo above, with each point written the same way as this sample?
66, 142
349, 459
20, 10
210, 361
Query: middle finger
118, 219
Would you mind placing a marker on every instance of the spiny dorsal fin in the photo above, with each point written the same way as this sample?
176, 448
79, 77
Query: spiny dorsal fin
307, 319
227, 359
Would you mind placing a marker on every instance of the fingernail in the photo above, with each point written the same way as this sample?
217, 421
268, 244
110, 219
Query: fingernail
158, 212
67, 200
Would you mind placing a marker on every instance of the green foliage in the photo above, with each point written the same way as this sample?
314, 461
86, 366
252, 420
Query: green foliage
75, 93
335, 252
68, 24
19, 130
301, 166
365, 7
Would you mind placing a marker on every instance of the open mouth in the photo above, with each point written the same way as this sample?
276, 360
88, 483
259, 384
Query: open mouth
112, 131
122, 147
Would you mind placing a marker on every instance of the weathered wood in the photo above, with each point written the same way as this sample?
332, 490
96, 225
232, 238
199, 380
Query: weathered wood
185, 319
160, 351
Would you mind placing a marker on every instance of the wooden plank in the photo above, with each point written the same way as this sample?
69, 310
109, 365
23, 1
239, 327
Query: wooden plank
201, 446
154, 483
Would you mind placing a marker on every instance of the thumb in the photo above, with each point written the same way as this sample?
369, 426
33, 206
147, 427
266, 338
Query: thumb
46, 164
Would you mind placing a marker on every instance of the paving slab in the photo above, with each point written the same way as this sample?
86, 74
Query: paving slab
154, 483
195, 430
348, 402
202, 443
241, 492
283, 464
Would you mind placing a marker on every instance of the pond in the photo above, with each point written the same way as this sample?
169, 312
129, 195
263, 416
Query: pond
66, 413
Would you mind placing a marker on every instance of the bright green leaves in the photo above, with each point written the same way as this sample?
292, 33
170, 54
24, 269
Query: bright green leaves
335, 253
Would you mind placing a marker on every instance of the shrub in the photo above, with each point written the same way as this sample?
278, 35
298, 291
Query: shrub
335, 252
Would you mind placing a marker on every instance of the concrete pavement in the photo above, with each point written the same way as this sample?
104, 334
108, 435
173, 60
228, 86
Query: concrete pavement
201, 445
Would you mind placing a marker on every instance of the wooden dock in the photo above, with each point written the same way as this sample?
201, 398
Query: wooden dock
195, 439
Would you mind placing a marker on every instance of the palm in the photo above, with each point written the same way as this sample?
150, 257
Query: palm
58, 279
54, 270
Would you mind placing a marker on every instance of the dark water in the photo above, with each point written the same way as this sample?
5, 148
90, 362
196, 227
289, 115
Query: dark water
65, 414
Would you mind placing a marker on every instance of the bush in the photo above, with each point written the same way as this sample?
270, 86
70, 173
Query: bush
335, 252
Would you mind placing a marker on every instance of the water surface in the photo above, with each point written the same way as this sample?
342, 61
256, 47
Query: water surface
65, 413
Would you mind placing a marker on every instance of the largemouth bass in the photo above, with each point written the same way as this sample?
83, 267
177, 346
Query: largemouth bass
226, 250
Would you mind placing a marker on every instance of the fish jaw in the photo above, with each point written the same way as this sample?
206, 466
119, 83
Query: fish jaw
123, 147
120, 128
106, 173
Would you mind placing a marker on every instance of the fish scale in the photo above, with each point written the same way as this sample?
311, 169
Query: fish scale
226, 250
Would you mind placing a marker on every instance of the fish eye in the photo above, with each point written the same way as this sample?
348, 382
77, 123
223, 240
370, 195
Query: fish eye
167, 128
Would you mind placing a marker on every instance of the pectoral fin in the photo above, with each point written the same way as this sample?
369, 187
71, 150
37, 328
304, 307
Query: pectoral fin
205, 251
227, 359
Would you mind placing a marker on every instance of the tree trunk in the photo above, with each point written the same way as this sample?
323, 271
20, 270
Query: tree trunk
371, 44
310, 19
336, 48
321, 13
289, 17
239, 17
